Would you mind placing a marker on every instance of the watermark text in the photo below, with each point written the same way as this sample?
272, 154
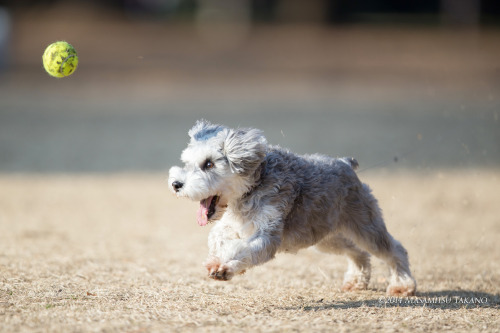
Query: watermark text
432, 300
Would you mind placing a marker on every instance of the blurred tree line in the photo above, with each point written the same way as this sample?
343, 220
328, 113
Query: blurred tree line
454, 12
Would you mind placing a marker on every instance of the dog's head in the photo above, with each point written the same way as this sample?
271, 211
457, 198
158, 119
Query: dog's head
219, 166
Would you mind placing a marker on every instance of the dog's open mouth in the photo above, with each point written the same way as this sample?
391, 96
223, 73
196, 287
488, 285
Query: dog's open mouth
207, 209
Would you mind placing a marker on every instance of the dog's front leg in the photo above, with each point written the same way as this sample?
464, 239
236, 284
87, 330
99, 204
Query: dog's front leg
231, 255
221, 237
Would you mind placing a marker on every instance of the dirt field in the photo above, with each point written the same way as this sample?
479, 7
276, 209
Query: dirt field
121, 254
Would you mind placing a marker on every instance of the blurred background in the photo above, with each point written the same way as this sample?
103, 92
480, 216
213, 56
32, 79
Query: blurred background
398, 84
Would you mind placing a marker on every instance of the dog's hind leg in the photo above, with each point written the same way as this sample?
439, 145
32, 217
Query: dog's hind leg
385, 247
358, 271
363, 223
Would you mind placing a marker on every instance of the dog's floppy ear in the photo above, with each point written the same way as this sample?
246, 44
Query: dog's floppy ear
203, 130
245, 150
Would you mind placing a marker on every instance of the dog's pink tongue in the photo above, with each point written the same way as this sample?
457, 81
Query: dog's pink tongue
203, 211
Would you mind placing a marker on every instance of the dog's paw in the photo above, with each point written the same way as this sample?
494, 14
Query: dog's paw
212, 264
222, 272
355, 280
355, 283
354, 286
402, 286
217, 270
401, 291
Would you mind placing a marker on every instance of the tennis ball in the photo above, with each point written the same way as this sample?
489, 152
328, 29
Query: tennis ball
60, 59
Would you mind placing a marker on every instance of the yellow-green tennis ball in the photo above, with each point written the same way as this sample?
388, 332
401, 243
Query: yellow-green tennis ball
60, 59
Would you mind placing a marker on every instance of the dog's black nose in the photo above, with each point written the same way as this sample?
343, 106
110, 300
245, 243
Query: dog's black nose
177, 185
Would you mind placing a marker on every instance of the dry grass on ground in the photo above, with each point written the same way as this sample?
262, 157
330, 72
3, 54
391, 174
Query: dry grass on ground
119, 253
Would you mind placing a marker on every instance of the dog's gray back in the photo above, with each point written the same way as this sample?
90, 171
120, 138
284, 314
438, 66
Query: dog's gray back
309, 190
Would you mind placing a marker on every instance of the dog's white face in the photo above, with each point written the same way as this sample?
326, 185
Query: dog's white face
219, 167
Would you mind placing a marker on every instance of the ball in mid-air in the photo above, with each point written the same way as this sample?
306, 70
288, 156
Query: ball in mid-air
60, 59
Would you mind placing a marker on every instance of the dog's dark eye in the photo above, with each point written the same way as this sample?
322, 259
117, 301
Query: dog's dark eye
208, 165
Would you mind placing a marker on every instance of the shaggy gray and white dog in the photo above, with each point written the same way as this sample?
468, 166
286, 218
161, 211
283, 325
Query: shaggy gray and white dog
267, 200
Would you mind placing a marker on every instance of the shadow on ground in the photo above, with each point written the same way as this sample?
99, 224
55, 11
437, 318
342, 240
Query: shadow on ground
447, 299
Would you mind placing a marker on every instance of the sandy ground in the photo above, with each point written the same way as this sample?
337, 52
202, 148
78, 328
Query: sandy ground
120, 254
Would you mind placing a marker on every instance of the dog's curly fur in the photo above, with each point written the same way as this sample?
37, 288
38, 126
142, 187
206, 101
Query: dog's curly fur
267, 199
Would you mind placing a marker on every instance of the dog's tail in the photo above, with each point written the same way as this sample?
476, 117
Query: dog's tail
351, 161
